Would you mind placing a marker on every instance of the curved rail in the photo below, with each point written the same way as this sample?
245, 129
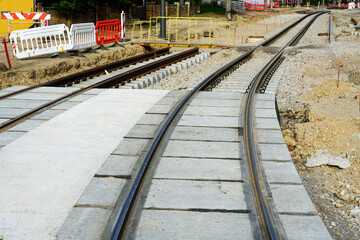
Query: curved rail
124, 215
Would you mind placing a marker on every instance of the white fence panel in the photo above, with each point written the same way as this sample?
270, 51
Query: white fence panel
83, 35
40, 41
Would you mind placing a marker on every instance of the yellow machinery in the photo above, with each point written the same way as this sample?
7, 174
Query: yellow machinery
185, 32
15, 6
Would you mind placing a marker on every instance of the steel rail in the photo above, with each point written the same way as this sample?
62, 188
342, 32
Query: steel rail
123, 216
118, 79
266, 220
93, 71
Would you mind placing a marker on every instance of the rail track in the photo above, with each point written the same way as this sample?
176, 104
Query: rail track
124, 220
110, 75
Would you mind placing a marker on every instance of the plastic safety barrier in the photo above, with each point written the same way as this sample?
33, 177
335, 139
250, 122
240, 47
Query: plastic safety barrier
40, 41
351, 5
108, 31
83, 35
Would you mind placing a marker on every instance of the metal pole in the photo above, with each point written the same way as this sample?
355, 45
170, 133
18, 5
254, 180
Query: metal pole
162, 21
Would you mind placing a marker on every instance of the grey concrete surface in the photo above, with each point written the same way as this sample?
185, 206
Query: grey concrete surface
270, 136
37, 96
131, 146
209, 102
84, 223
18, 103
267, 123
179, 225
12, 112
151, 119
7, 137
101, 192
205, 134
281, 172
274, 152
175, 148
265, 113
117, 166
182, 194
195, 168
212, 111
159, 109
142, 131
220, 95
208, 121
27, 125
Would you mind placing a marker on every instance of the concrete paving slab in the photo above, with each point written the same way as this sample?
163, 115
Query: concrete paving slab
197, 169
208, 121
7, 137
220, 95
227, 150
183, 194
84, 223
12, 112
37, 96
53, 90
131, 146
193, 225
295, 201
48, 114
265, 97
101, 192
2, 120
176, 93
205, 134
281, 172
117, 166
159, 109
304, 227
267, 123
81, 98
209, 102
27, 125
14, 88
16, 103
142, 131
60, 157
269, 136
265, 104
265, 113
212, 111
274, 152
65, 105
171, 101
151, 119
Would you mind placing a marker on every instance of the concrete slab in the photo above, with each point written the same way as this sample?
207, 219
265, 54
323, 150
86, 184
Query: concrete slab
53, 90
84, 223
37, 96
304, 227
212, 111
27, 125
208, 121
12, 112
48, 114
205, 134
2, 120
265, 97
220, 95
267, 123
159, 109
7, 137
14, 88
81, 98
142, 131
65, 105
295, 201
60, 157
16, 103
227, 150
151, 119
265, 113
171, 101
197, 169
131, 146
101, 192
183, 194
269, 136
281, 172
193, 225
274, 152
209, 102
265, 104
117, 166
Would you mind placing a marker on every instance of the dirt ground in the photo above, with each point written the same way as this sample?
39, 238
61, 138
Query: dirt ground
38, 70
324, 126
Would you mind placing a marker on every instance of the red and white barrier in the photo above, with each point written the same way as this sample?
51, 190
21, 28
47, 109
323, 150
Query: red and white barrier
108, 31
122, 25
351, 5
40, 41
25, 16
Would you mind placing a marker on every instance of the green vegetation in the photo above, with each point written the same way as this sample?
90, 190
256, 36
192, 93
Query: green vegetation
211, 8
